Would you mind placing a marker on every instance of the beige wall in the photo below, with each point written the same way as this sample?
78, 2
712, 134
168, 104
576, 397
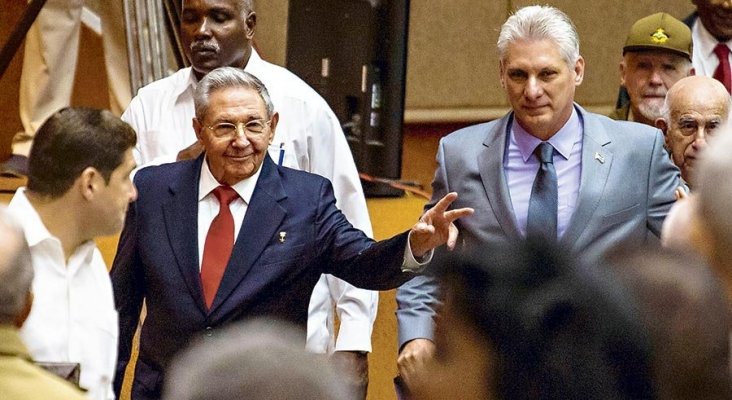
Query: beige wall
452, 70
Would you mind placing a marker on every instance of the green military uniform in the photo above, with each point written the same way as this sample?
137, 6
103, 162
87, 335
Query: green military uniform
621, 114
656, 32
20, 379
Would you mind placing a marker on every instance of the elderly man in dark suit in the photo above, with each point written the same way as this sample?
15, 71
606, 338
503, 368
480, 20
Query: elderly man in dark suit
231, 235
548, 168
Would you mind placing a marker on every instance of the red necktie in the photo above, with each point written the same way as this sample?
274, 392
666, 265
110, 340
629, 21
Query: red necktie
219, 243
723, 73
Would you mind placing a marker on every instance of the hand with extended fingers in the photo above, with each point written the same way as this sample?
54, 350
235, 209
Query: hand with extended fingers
436, 227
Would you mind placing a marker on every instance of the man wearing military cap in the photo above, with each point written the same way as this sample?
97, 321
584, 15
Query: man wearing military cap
657, 53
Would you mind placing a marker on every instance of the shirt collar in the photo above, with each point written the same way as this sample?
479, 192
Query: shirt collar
705, 41
33, 227
563, 140
207, 183
254, 64
35, 230
189, 81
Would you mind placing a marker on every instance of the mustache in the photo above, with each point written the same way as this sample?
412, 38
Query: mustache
655, 93
204, 46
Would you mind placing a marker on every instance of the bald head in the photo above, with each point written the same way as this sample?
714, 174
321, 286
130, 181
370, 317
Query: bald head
16, 272
695, 108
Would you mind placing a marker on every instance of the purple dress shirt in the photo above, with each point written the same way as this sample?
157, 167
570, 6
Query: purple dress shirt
520, 165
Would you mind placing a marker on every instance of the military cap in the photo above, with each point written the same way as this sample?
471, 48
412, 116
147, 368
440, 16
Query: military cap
659, 31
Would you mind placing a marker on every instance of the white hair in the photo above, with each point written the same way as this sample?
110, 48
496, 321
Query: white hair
224, 78
541, 22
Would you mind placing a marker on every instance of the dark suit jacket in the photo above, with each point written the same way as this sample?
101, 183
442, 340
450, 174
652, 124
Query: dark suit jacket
157, 260
626, 190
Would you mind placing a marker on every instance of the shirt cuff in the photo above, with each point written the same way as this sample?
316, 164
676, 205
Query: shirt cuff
410, 263
354, 336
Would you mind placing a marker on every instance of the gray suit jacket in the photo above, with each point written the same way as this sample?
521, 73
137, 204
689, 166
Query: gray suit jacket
626, 189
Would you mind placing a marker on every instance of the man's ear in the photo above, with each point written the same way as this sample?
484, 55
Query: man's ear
89, 182
500, 73
25, 312
251, 24
621, 69
197, 127
273, 125
661, 124
579, 71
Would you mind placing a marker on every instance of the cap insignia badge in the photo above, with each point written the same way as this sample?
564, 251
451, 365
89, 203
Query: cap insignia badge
659, 36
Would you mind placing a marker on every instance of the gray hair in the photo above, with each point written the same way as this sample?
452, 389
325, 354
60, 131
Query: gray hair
16, 270
257, 360
541, 22
224, 78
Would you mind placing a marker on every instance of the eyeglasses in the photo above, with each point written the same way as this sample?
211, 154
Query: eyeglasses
253, 129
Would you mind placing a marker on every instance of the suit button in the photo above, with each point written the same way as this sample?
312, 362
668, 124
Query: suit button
209, 331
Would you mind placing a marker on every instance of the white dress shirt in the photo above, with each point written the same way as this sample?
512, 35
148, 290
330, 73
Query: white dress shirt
208, 205
312, 140
703, 59
73, 318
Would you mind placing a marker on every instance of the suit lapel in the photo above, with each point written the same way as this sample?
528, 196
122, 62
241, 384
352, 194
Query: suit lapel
490, 163
180, 214
264, 215
596, 162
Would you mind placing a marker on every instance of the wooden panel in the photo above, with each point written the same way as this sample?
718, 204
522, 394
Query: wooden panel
10, 81
452, 61
271, 32
452, 69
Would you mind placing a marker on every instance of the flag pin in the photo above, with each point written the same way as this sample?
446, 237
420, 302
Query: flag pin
599, 157
282, 237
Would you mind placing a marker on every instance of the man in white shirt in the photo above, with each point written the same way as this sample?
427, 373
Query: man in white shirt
711, 32
309, 138
79, 188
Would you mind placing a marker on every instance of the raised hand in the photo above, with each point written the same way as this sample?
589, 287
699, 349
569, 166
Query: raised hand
436, 227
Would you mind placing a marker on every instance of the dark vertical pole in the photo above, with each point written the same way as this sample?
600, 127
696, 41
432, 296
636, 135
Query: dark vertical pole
18, 35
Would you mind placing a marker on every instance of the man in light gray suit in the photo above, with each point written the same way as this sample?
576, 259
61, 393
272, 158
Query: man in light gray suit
547, 168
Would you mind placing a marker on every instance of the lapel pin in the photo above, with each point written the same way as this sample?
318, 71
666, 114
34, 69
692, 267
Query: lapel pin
599, 157
282, 237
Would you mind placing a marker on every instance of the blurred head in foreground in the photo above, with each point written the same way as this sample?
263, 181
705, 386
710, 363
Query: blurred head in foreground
525, 322
684, 307
257, 360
